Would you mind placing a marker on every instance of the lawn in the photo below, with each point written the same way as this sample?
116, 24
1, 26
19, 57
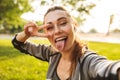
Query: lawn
18, 66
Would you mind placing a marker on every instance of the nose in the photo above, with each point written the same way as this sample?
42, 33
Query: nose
57, 30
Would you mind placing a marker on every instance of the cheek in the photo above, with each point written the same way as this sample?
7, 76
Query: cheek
66, 28
50, 33
70, 29
71, 32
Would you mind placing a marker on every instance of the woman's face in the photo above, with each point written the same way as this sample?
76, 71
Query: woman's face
61, 30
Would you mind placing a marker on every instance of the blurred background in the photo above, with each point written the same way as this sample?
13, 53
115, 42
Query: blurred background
99, 27
94, 16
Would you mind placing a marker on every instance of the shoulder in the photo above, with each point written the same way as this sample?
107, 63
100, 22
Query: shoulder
89, 54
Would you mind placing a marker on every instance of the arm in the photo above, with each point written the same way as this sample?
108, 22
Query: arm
97, 67
40, 51
22, 37
101, 68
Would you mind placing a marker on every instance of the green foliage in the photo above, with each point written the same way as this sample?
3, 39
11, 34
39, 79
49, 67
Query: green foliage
93, 31
11, 11
82, 6
15, 65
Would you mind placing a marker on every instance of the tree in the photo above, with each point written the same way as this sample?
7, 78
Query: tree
10, 12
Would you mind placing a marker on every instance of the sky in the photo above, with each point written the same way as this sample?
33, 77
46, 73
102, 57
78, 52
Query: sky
99, 18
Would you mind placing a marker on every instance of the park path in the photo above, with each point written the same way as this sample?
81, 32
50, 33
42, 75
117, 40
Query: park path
112, 38
99, 37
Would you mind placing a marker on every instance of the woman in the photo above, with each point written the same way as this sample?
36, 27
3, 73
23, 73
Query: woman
68, 57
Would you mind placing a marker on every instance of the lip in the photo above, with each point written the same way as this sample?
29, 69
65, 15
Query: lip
61, 38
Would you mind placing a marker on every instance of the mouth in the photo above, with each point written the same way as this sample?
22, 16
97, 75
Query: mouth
60, 42
61, 38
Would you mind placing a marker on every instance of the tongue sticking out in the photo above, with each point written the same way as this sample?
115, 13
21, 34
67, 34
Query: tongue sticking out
60, 45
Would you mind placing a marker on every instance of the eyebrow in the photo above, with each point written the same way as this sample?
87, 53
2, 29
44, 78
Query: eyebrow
61, 18
57, 19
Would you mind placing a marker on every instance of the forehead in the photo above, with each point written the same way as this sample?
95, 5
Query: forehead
55, 15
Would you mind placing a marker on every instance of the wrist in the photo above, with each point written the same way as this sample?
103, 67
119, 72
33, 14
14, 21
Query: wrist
22, 37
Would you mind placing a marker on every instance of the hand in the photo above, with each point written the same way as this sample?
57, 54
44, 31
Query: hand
31, 29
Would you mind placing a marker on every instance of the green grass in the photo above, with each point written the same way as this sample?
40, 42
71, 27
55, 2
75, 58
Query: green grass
15, 65
110, 50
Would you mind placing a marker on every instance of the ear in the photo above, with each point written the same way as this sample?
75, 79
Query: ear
75, 26
74, 22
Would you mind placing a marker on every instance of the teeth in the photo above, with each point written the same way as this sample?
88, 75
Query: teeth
61, 38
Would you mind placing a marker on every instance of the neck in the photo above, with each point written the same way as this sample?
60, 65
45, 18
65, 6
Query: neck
66, 56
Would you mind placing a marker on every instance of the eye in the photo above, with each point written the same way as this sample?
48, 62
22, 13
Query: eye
50, 28
63, 23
